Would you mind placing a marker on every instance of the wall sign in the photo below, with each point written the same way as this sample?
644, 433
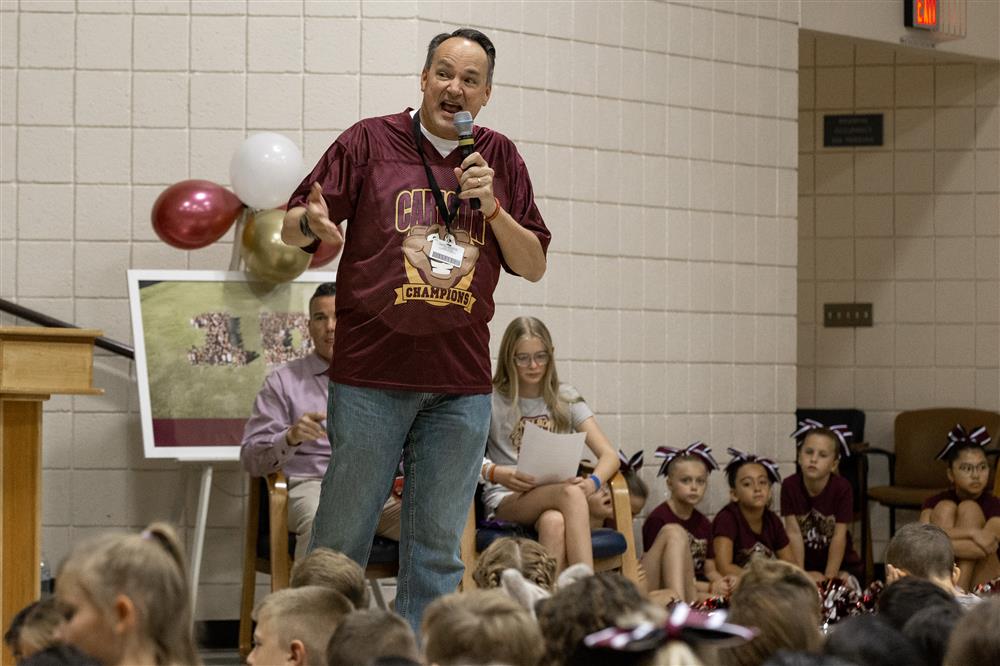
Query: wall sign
852, 130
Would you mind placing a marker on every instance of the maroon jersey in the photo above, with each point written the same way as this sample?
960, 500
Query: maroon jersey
818, 517
403, 323
986, 501
731, 524
699, 530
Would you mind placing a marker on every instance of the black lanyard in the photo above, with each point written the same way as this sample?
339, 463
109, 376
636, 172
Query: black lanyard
447, 215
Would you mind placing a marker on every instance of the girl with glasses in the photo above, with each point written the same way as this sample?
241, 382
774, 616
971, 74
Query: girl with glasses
968, 512
526, 389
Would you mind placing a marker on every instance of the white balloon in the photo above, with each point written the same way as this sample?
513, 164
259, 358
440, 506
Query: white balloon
265, 170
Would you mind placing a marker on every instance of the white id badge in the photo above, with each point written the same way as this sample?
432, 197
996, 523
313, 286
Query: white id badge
447, 251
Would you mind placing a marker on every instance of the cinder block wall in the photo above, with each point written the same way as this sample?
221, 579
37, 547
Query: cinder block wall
912, 227
662, 142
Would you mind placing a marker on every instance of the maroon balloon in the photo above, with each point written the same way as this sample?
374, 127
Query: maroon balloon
324, 255
194, 213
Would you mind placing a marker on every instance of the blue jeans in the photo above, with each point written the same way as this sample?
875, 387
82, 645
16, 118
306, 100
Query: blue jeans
442, 439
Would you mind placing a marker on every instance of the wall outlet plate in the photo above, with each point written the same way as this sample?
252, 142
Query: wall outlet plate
847, 314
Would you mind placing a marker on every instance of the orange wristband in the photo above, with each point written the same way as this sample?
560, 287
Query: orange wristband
493, 473
496, 211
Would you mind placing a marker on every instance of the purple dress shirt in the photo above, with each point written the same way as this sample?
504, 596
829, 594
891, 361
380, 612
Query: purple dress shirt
290, 391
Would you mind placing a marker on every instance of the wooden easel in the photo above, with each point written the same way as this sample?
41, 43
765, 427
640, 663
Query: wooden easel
35, 363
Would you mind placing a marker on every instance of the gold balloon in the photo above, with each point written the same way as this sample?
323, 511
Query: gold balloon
266, 256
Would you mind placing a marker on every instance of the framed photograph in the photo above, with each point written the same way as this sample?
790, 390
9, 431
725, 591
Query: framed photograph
204, 342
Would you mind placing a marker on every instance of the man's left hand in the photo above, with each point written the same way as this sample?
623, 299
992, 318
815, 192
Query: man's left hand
476, 179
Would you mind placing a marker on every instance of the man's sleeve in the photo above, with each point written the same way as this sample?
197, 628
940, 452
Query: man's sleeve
338, 173
264, 448
522, 205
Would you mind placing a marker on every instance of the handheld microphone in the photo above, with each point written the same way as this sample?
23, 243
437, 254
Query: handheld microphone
463, 125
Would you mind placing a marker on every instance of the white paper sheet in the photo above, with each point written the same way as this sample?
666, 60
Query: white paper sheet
547, 456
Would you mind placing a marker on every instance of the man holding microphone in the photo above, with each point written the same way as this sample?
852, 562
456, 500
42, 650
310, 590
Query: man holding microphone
411, 368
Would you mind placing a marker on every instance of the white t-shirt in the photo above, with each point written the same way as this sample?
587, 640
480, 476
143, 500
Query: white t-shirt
504, 442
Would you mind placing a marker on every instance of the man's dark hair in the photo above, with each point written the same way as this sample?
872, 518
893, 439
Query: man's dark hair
901, 600
325, 289
922, 550
472, 35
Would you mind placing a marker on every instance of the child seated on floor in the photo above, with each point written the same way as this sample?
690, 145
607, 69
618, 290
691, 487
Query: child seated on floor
924, 551
781, 602
747, 525
480, 627
294, 625
968, 512
124, 599
676, 537
586, 606
526, 556
601, 503
818, 504
333, 570
369, 635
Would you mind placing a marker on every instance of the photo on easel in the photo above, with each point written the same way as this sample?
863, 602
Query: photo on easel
204, 342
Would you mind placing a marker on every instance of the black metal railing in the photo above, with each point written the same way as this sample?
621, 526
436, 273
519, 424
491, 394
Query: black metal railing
41, 319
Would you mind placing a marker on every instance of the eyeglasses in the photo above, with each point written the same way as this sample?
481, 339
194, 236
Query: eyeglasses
524, 360
968, 468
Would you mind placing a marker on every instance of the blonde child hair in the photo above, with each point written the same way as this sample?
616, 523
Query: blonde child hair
524, 555
783, 603
480, 627
307, 614
334, 570
148, 569
505, 377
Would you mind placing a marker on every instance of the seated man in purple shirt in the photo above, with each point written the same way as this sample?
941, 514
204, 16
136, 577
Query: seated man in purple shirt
286, 430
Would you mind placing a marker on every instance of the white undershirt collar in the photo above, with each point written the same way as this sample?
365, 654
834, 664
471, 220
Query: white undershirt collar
443, 146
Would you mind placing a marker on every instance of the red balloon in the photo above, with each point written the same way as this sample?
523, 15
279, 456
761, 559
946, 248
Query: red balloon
324, 255
194, 213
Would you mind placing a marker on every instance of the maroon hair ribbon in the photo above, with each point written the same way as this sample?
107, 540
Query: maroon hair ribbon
698, 449
683, 624
840, 431
633, 464
958, 437
739, 458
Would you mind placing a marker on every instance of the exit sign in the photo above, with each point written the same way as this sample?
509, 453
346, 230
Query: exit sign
920, 14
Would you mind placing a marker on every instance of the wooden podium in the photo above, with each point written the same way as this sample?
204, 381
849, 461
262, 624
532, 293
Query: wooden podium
35, 363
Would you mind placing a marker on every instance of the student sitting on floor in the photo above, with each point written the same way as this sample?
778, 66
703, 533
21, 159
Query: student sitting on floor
747, 525
676, 537
294, 625
818, 504
924, 551
968, 512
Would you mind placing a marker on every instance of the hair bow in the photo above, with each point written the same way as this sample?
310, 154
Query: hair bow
959, 438
683, 624
739, 457
633, 464
840, 431
698, 449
